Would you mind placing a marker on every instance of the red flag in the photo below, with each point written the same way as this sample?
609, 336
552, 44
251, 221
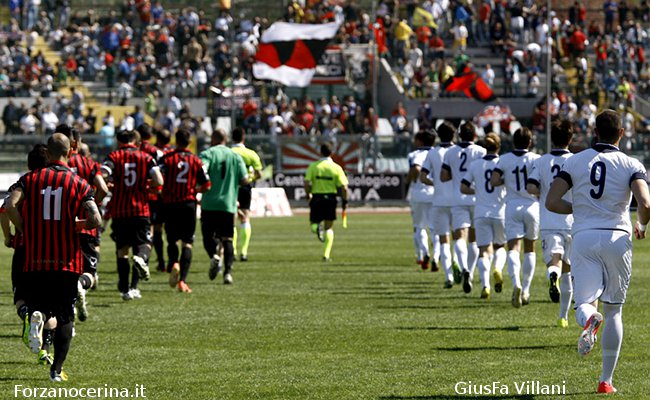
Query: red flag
471, 84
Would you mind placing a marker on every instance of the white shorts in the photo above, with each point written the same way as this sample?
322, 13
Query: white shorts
461, 217
602, 266
421, 214
441, 217
522, 221
556, 242
489, 230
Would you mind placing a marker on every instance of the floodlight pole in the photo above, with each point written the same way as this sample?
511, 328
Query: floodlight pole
549, 74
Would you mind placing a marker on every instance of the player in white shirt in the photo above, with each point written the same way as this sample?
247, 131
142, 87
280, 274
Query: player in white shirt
489, 214
602, 180
555, 229
455, 165
442, 199
421, 196
522, 212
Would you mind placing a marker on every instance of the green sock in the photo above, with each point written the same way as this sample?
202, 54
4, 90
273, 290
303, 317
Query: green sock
234, 241
314, 228
245, 237
329, 241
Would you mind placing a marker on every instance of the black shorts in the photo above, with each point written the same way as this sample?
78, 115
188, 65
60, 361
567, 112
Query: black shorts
322, 207
52, 293
157, 212
180, 221
244, 197
131, 232
89, 245
17, 263
217, 224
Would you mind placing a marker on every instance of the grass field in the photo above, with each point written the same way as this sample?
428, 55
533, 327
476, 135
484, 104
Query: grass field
369, 325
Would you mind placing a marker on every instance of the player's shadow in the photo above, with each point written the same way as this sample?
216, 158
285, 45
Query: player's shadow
9, 336
502, 348
459, 328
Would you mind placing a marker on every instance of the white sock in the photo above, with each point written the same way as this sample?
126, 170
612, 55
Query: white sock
553, 268
472, 257
500, 257
421, 241
445, 260
514, 267
529, 271
435, 246
612, 337
584, 312
566, 293
484, 271
460, 248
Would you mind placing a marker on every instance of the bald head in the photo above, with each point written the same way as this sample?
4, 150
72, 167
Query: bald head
58, 147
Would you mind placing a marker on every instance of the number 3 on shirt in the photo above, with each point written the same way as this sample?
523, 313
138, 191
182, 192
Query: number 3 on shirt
597, 177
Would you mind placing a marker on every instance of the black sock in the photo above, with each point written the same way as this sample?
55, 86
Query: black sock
62, 340
123, 268
23, 311
172, 253
144, 251
48, 337
86, 280
228, 256
186, 260
135, 278
158, 245
209, 241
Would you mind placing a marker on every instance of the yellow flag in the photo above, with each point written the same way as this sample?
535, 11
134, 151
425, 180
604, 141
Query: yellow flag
422, 17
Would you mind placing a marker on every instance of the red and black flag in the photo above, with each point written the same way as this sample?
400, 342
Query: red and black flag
468, 82
288, 53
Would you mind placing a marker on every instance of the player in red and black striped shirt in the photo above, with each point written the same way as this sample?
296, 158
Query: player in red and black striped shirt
36, 159
184, 177
45, 207
146, 134
129, 168
89, 170
163, 137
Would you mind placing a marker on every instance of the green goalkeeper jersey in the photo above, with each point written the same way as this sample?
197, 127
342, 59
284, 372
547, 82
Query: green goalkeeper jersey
226, 169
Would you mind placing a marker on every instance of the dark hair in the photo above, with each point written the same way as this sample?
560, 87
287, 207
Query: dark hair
608, 125
126, 136
218, 136
492, 142
446, 131
183, 137
163, 137
426, 137
145, 131
237, 134
37, 157
522, 138
561, 133
467, 132
326, 149
67, 130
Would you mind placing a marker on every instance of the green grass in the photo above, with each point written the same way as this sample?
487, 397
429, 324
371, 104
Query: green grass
367, 326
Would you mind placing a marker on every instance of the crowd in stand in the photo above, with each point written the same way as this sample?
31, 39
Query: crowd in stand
144, 50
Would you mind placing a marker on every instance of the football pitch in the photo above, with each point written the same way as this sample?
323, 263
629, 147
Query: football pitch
368, 325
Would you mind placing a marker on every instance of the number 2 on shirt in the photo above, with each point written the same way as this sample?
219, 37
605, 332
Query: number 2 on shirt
463, 160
